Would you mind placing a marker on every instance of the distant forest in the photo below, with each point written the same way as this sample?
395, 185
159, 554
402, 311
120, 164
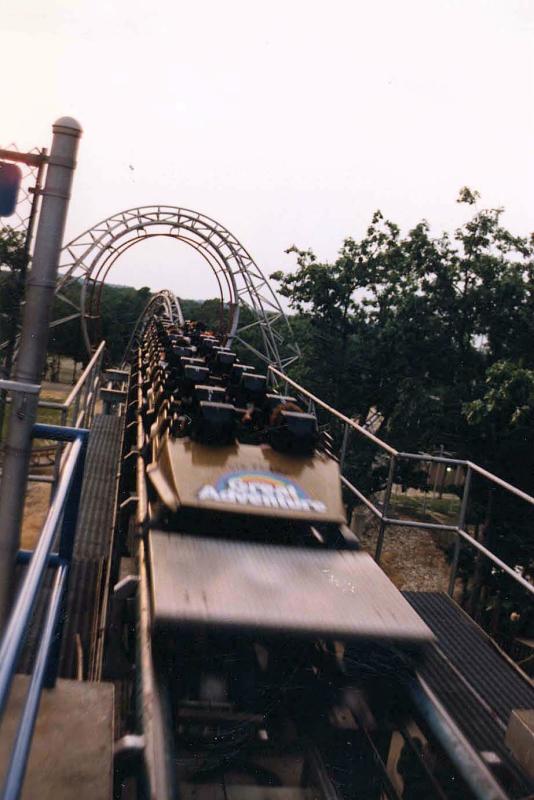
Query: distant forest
120, 308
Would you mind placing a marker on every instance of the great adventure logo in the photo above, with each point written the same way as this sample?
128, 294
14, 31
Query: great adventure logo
260, 490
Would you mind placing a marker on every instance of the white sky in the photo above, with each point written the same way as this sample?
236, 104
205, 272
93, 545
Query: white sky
289, 121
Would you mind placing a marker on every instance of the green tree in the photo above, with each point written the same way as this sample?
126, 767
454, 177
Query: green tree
502, 422
409, 324
13, 262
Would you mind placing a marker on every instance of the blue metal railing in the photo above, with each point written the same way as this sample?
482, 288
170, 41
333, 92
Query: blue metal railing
61, 518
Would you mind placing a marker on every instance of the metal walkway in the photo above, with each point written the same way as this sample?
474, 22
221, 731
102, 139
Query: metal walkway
475, 681
86, 597
90, 564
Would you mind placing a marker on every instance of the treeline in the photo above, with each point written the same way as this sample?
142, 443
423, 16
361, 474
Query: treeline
112, 311
113, 320
120, 309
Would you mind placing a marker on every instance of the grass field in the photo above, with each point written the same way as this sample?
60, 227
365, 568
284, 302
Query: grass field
441, 509
38, 494
51, 416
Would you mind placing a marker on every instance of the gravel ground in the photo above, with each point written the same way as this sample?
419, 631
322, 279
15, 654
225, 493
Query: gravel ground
35, 508
410, 557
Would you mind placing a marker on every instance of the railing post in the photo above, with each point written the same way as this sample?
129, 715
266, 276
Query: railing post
39, 295
84, 401
66, 541
66, 546
75, 410
90, 398
344, 442
387, 496
93, 395
95, 383
98, 376
461, 523
59, 453
15, 632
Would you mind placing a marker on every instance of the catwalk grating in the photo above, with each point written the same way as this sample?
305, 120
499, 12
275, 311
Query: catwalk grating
92, 544
475, 681
91, 550
97, 507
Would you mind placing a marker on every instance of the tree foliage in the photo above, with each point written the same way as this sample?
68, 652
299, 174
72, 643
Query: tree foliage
12, 272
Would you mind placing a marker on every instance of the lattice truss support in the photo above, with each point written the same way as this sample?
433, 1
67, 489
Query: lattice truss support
87, 260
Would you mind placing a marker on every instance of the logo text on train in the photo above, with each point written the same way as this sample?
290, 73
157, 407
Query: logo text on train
260, 490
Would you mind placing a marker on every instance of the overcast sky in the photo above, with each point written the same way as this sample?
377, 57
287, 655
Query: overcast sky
289, 121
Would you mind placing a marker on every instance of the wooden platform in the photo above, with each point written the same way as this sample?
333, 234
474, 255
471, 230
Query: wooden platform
72, 750
198, 582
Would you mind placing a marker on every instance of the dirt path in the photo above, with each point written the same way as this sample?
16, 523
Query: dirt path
55, 391
35, 508
38, 494
410, 557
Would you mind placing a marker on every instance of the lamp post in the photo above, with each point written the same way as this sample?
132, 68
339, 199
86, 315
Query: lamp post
39, 296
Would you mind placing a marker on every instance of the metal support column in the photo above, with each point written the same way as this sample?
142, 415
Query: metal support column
387, 497
458, 540
344, 443
33, 343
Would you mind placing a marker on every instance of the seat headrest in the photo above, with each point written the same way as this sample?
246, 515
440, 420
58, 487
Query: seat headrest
211, 394
237, 371
295, 432
225, 358
274, 400
196, 373
252, 385
214, 424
